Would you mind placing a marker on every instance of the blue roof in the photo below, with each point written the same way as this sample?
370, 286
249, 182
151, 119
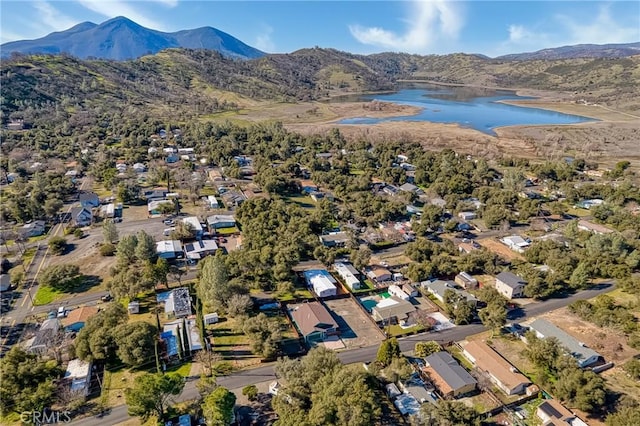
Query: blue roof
184, 420
315, 272
172, 343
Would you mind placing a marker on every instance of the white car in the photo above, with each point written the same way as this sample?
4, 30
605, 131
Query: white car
62, 312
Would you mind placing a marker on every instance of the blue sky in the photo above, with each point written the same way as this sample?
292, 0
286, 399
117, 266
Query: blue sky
423, 27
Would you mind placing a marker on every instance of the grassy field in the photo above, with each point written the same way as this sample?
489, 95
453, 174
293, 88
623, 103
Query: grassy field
303, 201
46, 295
396, 330
299, 293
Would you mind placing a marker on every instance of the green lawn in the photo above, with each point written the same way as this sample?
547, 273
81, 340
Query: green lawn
46, 295
183, 369
396, 330
365, 286
299, 293
227, 231
303, 201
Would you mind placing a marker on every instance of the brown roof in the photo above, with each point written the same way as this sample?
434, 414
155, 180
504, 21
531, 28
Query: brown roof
79, 315
490, 361
311, 317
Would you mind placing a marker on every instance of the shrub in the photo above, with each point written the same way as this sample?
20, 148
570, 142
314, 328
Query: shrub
107, 249
251, 392
78, 233
57, 245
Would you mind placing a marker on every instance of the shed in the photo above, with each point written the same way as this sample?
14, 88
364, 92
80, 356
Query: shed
133, 307
211, 318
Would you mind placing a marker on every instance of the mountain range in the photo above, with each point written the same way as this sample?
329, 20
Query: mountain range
121, 39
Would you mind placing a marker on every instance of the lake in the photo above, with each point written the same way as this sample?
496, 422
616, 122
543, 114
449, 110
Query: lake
469, 107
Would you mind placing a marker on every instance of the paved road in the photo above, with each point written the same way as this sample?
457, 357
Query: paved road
262, 374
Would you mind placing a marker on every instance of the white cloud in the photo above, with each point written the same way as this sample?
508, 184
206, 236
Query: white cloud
603, 29
111, 9
51, 18
430, 22
264, 41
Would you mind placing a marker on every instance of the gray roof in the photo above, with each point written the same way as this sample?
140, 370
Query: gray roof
178, 302
570, 343
510, 279
408, 187
449, 370
440, 288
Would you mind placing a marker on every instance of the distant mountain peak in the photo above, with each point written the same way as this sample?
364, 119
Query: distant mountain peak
578, 51
120, 38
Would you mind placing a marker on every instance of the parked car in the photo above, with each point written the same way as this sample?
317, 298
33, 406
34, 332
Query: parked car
62, 312
169, 222
107, 297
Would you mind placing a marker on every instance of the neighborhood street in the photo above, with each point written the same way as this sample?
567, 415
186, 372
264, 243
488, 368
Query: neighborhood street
359, 355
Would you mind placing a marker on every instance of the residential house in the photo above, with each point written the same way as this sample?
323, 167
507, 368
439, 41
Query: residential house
379, 274
169, 249
215, 175
587, 204
153, 206
392, 310
466, 281
467, 215
308, 186
594, 228
335, 239
178, 304
15, 125
78, 376
156, 194
584, 356
200, 249
89, 200
410, 290
552, 412
44, 338
407, 404
212, 202
394, 290
81, 216
195, 225
313, 321
499, 370
172, 158
349, 274
515, 243
409, 187
448, 376
172, 331
391, 190
220, 221
75, 319
108, 210
510, 285
139, 168
233, 198
33, 229
439, 289
321, 281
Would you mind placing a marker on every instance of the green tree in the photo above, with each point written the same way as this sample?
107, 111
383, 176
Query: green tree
213, 286
64, 277
135, 342
52, 206
424, 349
494, 316
96, 340
217, 407
264, 334
109, 232
449, 413
239, 304
582, 389
388, 350
127, 250
57, 245
580, 276
27, 382
458, 307
632, 368
399, 369
151, 394
145, 250
625, 416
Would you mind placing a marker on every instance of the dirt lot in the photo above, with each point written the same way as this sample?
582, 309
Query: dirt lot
500, 249
356, 329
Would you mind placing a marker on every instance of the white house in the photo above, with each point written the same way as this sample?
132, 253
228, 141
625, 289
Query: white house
394, 290
219, 221
466, 281
516, 243
323, 284
584, 356
212, 202
195, 225
169, 249
349, 274
78, 375
467, 215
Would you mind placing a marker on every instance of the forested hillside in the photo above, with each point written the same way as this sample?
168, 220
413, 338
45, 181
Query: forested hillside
189, 83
